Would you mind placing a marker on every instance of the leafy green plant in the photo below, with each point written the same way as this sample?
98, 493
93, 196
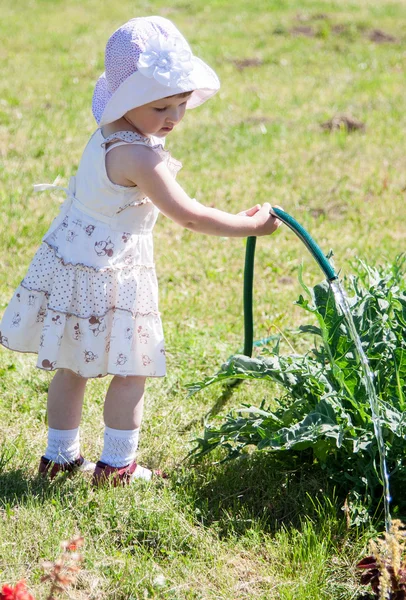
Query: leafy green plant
324, 406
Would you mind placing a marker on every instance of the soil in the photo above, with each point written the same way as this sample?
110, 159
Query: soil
245, 63
305, 30
347, 122
380, 37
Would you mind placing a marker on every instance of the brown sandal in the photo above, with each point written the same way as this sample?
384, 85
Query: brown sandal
49, 468
123, 475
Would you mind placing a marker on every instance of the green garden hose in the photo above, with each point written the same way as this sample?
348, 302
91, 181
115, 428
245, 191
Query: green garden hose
310, 244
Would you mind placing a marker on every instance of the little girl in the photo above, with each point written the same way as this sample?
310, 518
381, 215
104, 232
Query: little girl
88, 305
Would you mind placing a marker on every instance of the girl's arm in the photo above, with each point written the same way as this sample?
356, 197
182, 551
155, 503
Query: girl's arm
143, 167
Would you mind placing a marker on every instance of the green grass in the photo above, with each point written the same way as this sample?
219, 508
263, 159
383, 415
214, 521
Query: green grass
247, 529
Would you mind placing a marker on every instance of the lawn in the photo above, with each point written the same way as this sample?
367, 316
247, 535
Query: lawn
245, 529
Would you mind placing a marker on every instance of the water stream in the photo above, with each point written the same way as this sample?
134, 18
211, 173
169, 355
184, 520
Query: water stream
342, 303
368, 379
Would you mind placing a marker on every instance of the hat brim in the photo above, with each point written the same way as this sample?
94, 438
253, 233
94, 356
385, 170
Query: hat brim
138, 89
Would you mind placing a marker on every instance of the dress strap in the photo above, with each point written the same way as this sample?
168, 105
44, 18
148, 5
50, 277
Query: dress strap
120, 138
115, 145
127, 137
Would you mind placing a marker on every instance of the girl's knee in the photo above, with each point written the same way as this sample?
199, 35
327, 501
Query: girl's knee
129, 381
71, 375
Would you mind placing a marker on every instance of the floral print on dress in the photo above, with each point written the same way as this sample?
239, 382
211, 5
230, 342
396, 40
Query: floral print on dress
16, 320
97, 325
77, 334
50, 366
146, 360
3, 340
121, 360
90, 356
128, 333
57, 320
42, 313
129, 260
104, 247
125, 237
89, 230
143, 334
71, 235
65, 223
31, 300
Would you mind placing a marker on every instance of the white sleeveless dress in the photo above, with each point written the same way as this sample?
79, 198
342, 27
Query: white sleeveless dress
89, 301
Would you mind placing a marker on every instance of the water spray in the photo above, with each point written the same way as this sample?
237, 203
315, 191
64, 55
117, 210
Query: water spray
342, 302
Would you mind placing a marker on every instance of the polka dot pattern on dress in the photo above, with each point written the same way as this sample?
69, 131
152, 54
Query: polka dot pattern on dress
86, 292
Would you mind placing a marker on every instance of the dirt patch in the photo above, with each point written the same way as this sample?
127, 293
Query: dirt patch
339, 28
316, 17
332, 211
336, 210
381, 37
286, 280
305, 30
246, 63
317, 212
346, 122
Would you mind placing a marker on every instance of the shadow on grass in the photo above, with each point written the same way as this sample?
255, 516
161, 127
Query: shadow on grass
259, 491
14, 486
222, 400
19, 488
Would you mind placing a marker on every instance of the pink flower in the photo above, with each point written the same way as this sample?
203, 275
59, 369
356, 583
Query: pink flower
19, 592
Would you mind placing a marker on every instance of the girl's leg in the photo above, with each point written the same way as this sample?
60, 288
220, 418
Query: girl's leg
123, 411
124, 404
65, 401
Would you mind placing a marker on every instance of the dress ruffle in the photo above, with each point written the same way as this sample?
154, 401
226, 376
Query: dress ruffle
84, 291
89, 307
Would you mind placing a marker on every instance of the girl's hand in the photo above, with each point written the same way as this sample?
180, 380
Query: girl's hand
265, 221
250, 212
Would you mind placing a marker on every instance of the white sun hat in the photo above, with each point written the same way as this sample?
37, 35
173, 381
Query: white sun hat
147, 59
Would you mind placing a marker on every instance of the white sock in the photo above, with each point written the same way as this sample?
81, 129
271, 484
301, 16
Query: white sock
63, 445
120, 446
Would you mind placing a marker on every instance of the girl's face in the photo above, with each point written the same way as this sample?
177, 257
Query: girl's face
159, 117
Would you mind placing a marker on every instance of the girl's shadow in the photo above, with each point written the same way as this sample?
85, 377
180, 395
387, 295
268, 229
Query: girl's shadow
17, 488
